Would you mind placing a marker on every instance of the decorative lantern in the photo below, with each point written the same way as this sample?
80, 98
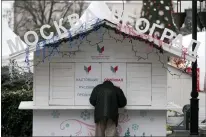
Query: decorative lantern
179, 17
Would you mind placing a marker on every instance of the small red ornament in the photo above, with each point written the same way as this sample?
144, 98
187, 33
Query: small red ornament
169, 25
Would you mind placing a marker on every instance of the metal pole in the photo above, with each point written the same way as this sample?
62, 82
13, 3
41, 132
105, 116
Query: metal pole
194, 101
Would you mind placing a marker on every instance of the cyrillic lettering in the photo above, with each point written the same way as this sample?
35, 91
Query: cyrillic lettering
194, 53
36, 39
177, 42
151, 38
138, 22
16, 45
42, 32
117, 15
74, 19
164, 35
58, 27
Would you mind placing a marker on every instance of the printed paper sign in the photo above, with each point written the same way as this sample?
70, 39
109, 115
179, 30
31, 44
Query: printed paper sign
116, 73
87, 76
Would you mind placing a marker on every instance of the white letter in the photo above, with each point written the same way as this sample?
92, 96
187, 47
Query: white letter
177, 42
42, 32
116, 15
127, 18
73, 19
138, 22
154, 25
196, 47
128, 22
58, 27
164, 35
26, 38
16, 45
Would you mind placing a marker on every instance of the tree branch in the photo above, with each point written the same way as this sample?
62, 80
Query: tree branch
41, 12
67, 10
33, 14
28, 10
81, 7
44, 10
35, 10
50, 13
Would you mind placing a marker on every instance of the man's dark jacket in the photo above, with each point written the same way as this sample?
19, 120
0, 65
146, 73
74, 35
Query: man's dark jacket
107, 98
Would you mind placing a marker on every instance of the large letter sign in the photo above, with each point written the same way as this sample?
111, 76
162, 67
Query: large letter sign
118, 15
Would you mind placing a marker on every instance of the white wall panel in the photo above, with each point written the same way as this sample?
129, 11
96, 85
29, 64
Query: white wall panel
180, 87
159, 81
81, 123
159, 97
41, 84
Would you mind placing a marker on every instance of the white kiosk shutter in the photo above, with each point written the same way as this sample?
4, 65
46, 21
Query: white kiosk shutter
139, 84
62, 83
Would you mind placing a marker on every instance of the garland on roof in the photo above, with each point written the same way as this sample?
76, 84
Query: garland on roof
73, 41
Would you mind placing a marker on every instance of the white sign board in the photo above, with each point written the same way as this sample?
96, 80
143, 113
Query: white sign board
116, 73
87, 76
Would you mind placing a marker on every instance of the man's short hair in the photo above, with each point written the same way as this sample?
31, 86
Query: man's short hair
107, 82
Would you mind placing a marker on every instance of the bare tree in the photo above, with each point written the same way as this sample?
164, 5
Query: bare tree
32, 14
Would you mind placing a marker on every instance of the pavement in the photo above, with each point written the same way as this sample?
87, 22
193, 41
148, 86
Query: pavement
185, 133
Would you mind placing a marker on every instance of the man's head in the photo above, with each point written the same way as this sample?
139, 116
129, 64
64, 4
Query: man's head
107, 82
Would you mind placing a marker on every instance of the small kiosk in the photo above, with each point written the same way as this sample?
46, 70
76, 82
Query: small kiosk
66, 71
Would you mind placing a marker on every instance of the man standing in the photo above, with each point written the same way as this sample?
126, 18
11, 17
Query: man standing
107, 98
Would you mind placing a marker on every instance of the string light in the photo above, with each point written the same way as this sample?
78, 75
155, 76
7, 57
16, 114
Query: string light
27, 58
